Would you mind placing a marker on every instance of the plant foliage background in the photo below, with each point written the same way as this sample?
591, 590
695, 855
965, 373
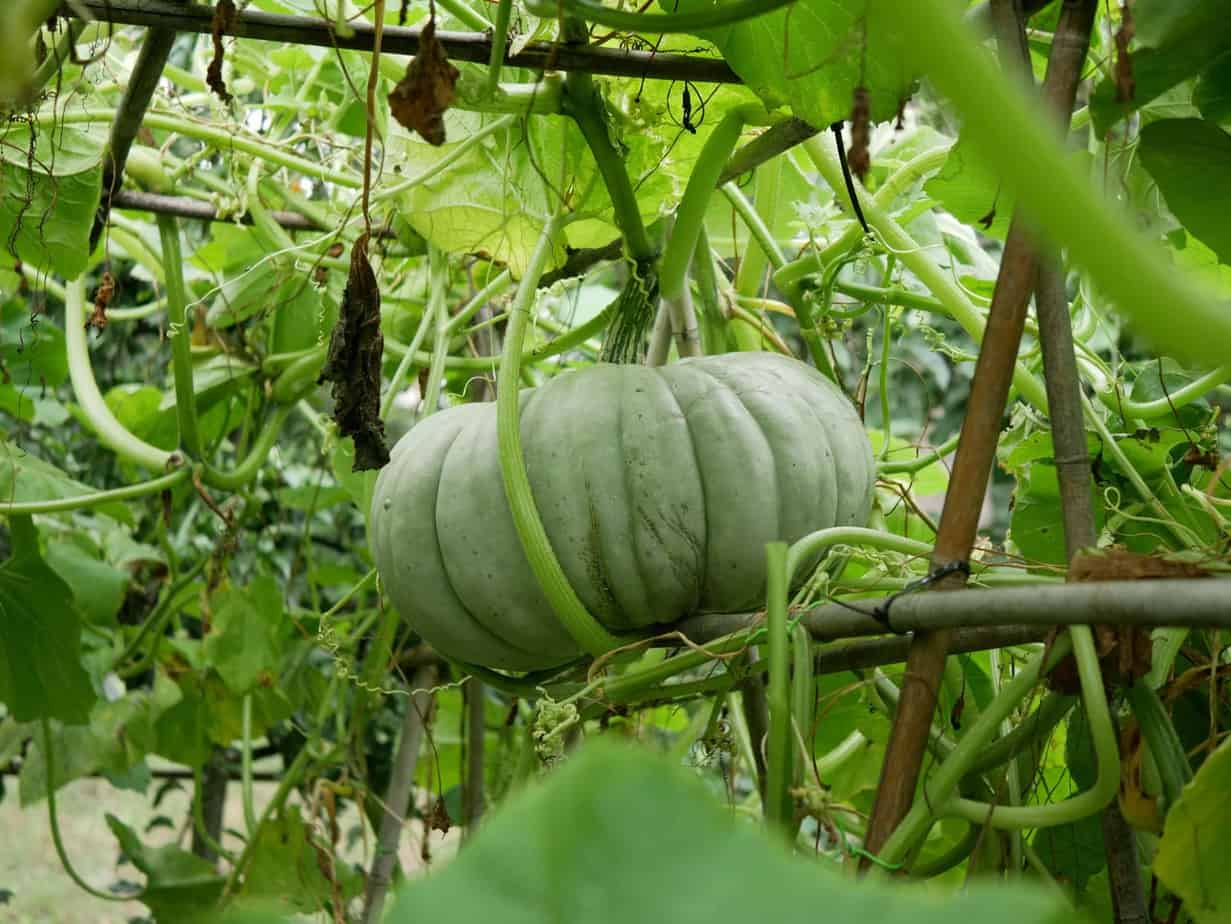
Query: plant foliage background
226, 622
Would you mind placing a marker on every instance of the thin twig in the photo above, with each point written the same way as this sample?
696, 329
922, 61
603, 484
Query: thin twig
397, 798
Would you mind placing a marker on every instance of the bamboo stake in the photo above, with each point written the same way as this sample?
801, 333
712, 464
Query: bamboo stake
972, 466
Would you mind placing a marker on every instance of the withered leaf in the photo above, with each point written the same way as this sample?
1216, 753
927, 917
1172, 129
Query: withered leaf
224, 20
102, 301
1126, 84
420, 99
353, 364
859, 158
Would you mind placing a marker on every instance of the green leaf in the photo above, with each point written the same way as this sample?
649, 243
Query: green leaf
1176, 40
1191, 161
98, 587
244, 640
972, 192
31, 348
41, 675
212, 381
52, 186
307, 497
1213, 93
1192, 855
179, 885
183, 730
1073, 852
119, 736
812, 55
618, 836
492, 201
286, 867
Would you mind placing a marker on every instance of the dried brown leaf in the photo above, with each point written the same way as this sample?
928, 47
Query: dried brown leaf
420, 99
354, 361
223, 22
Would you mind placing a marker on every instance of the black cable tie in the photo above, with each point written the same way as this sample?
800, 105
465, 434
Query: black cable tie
881, 613
846, 175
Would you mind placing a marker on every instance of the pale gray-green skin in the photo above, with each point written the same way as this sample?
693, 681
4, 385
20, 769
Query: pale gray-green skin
658, 488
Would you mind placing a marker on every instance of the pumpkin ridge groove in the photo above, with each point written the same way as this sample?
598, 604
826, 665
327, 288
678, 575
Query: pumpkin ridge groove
703, 552
630, 512
444, 561
769, 444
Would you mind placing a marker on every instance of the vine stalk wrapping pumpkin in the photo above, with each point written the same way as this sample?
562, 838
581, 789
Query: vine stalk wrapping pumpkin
658, 489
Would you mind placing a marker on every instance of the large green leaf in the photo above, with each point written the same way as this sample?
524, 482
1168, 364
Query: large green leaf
180, 886
41, 675
244, 640
287, 867
31, 347
98, 586
1190, 159
52, 183
493, 201
1213, 92
971, 192
1192, 856
813, 54
1074, 851
1175, 40
619, 836
118, 737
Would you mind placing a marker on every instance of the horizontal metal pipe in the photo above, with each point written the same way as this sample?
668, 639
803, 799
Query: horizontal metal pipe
459, 46
1194, 603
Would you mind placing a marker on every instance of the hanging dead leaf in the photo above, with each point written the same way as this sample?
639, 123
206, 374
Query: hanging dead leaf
224, 21
1123, 565
1124, 652
420, 99
860, 155
1136, 804
102, 301
1126, 84
438, 820
353, 364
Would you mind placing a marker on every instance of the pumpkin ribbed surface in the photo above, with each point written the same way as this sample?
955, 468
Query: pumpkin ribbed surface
658, 488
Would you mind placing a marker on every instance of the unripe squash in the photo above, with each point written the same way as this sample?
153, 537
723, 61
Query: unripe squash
658, 489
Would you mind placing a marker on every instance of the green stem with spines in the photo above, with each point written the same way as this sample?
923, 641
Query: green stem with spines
690, 215
910, 466
585, 104
95, 498
407, 361
111, 433
789, 277
180, 333
589, 634
914, 258
219, 138
778, 749
466, 14
438, 276
500, 42
751, 268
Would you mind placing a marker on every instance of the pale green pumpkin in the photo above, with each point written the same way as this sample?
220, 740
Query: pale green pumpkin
658, 488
